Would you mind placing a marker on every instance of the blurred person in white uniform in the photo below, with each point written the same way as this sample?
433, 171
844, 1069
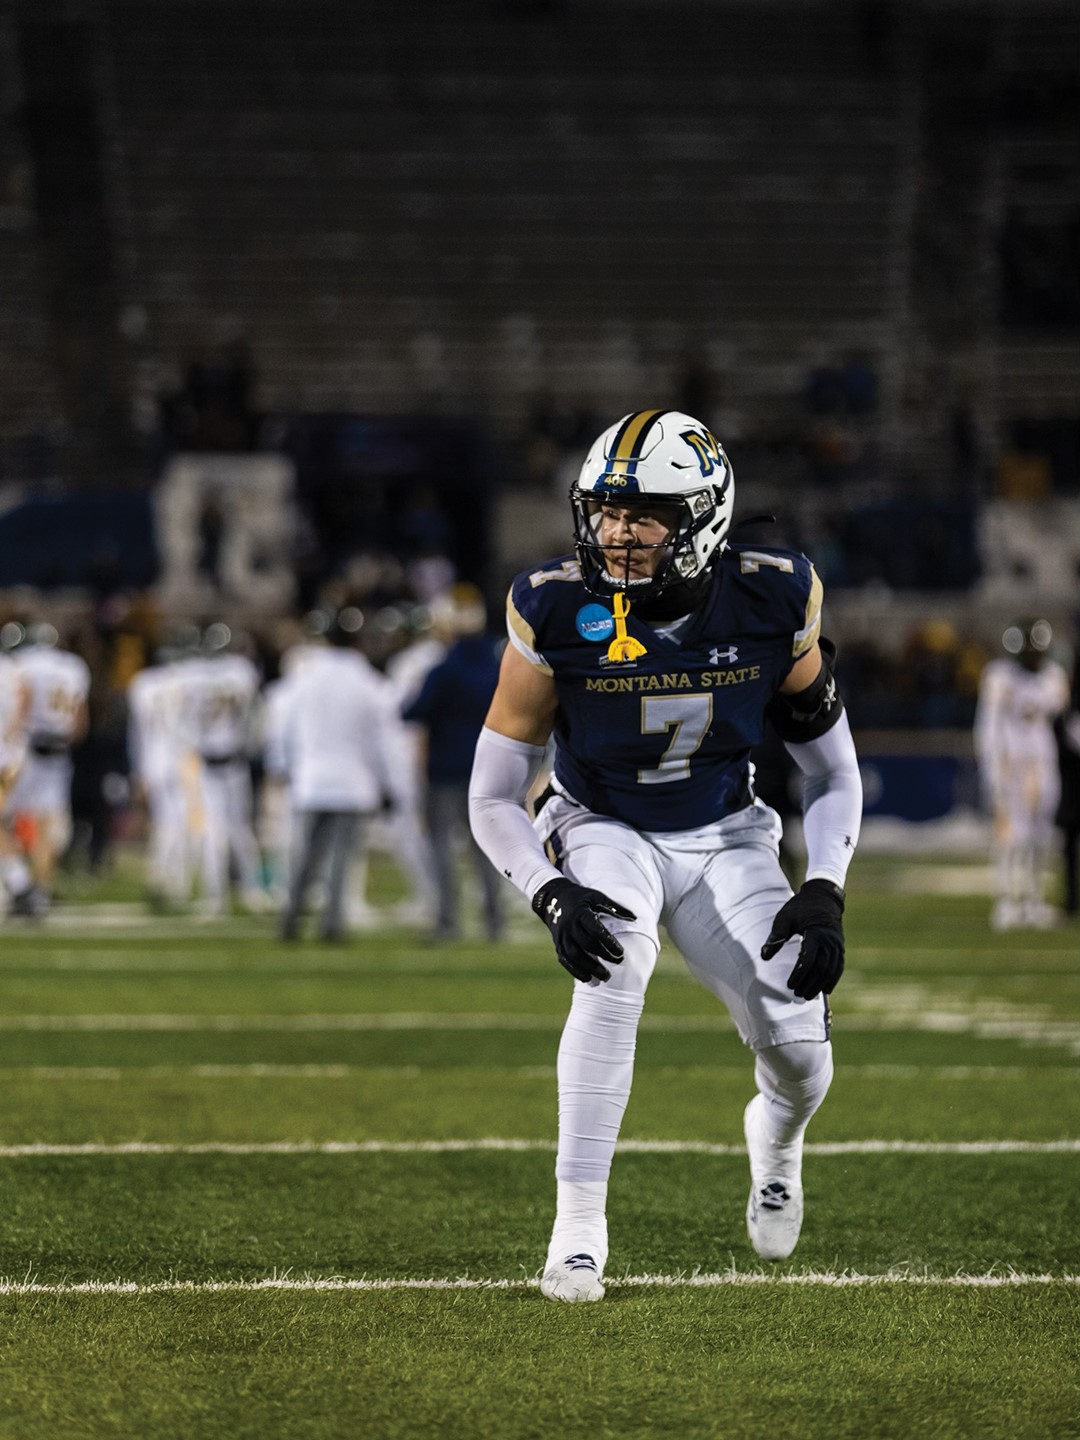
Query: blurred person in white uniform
222, 695
1020, 696
58, 683
346, 757
157, 757
14, 713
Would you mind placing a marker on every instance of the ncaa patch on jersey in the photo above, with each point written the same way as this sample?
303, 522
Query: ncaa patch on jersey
595, 623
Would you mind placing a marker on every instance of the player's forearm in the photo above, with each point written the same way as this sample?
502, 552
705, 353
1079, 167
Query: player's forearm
832, 801
502, 775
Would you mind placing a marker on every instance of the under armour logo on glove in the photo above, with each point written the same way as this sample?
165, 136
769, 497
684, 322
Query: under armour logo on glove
815, 913
582, 942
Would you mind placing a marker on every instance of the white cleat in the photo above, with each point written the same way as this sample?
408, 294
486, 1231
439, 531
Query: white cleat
574, 1279
1039, 916
774, 1211
1007, 915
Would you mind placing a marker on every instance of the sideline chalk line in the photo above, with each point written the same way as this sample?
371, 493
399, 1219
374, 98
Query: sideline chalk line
692, 1280
449, 1147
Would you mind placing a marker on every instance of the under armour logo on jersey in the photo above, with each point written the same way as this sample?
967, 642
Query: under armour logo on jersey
729, 656
830, 693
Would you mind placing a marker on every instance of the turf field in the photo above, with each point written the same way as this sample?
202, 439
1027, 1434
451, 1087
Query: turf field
256, 1190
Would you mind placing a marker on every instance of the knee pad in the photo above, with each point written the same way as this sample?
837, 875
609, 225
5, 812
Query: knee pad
632, 974
794, 1080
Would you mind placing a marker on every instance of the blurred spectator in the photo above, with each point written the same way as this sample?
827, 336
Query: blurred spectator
928, 668
1040, 269
211, 535
866, 677
858, 383
213, 410
1024, 471
452, 704
345, 750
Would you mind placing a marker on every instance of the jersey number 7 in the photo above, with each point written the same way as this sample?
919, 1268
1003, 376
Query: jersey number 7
690, 716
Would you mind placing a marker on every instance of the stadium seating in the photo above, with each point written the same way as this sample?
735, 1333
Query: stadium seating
399, 205
28, 399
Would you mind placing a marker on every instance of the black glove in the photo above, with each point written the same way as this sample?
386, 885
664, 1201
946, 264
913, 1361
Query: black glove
572, 914
815, 914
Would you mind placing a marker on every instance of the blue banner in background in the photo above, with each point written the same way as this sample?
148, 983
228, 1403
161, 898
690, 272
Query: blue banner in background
916, 787
99, 541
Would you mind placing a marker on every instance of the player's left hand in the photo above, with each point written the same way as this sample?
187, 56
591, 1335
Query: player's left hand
815, 913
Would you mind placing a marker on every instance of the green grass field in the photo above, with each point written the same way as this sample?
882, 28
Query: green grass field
256, 1190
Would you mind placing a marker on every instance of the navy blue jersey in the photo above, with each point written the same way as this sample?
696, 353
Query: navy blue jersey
452, 703
662, 741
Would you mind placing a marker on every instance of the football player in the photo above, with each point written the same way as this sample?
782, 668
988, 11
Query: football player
222, 693
1020, 696
58, 683
156, 755
654, 654
17, 887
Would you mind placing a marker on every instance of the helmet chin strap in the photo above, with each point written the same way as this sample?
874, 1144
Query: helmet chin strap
676, 600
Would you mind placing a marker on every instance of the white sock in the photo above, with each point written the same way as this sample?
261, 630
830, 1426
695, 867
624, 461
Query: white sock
580, 1222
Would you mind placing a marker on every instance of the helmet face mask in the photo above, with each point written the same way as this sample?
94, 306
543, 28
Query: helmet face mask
666, 465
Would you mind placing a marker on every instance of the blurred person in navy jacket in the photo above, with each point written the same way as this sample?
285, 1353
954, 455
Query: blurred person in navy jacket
452, 705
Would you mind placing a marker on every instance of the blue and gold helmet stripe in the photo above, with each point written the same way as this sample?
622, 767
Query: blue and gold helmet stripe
622, 459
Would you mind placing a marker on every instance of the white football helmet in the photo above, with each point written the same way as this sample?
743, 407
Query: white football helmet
656, 455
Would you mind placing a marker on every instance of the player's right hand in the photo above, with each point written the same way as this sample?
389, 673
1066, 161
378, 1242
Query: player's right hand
582, 941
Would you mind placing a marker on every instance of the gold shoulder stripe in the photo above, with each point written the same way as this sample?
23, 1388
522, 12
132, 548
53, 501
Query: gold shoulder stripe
524, 636
805, 638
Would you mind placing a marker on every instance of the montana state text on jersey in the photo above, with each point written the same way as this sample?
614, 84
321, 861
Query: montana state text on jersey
701, 699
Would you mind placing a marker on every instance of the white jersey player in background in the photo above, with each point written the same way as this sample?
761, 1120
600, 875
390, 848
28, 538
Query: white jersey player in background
157, 756
222, 703
1019, 698
58, 683
14, 711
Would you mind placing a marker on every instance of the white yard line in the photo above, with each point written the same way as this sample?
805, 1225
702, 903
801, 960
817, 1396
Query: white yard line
694, 1280
371, 964
391, 1020
524, 1072
990, 1021
451, 1147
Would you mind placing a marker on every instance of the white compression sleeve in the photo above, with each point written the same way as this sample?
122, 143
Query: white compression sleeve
503, 770
832, 801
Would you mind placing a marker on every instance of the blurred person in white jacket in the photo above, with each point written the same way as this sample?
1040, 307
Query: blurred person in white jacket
346, 757
276, 806
1020, 696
